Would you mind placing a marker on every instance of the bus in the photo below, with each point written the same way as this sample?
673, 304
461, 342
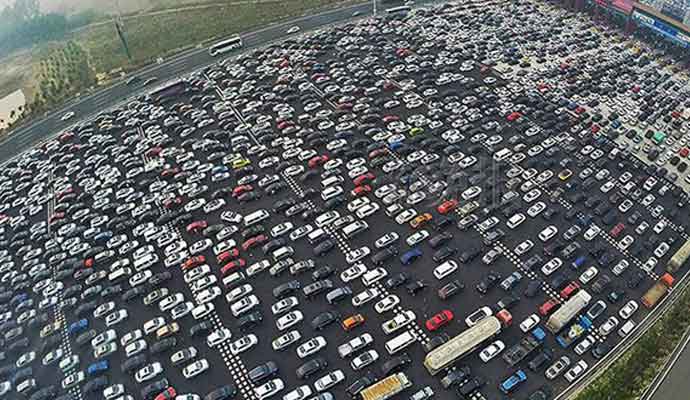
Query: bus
398, 10
226, 45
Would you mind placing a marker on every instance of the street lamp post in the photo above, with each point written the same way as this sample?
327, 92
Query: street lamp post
374, 7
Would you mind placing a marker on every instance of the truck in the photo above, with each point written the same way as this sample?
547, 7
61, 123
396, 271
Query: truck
568, 337
658, 291
464, 343
568, 311
386, 388
679, 258
531, 342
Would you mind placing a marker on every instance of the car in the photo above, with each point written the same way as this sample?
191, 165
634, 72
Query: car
576, 371
284, 341
438, 320
148, 372
218, 336
225, 392
269, 389
491, 351
196, 368
328, 381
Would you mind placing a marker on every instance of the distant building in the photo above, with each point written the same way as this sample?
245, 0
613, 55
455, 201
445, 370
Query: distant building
11, 108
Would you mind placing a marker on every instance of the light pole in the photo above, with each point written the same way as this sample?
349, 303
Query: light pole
374, 7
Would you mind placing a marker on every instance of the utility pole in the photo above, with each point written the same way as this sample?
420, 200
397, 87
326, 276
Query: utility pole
120, 28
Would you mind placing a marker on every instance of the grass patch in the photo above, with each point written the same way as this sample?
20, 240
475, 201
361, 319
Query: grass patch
150, 37
632, 373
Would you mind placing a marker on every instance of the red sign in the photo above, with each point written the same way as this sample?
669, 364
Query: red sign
625, 6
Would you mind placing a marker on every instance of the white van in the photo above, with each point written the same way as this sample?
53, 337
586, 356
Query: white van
234, 279
354, 228
256, 217
502, 154
145, 261
400, 342
373, 276
282, 253
316, 236
119, 274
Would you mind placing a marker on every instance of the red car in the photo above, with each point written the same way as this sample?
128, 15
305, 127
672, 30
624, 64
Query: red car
439, 320
169, 172
227, 256
241, 189
154, 151
56, 216
513, 116
167, 394
66, 136
617, 230
569, 290
253, 242
447, 206
361, 190
172, 203
391, 118
546, 308
193, 262
365, 178
197, 226
377, 153
232, 265
317, 160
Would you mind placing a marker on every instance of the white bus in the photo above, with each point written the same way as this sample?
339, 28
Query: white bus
398, 10
226, 45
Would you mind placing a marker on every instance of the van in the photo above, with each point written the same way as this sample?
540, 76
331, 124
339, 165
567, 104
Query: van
119, 274
234, 279
445, 269
400, 342
626, 328
316, 236
502, 154
146, 261
354, 228
255, 217
373, 276
282, 253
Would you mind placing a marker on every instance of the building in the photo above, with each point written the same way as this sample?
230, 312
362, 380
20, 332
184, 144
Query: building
11, 108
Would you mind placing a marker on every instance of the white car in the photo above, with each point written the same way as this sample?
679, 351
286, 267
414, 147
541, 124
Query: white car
386, 240
417, 237
548, 233
584, 345
328, 381
607, 327
171, 301
492, 351
243, 344
293, 29
387, 303
311, 346
113, 391
116, 317
239, 292
445, 269
365, 296
592, 232
288, 320
284, 305
148, 372
195, 368
283, 341
524, 247
551, 266
218, 336
269, 389
353, 273
135, 347
530, 322
405, 216
364, 359
576, 371
628, 309
244, 305
208, 294
67, 116
357, 254
354, 345
589, 274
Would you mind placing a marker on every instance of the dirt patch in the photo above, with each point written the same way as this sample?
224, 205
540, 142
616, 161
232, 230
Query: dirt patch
16, 73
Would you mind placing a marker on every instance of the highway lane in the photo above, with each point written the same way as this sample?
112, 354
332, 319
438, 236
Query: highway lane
25, 137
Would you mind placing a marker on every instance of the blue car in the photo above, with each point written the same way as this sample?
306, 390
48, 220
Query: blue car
98, 368
78, 327
410, 255
512, 382
103, 237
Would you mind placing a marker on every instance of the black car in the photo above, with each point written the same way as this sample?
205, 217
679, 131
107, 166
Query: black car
470, 386
440, 239
286, 289
316, 288
413, 288
488, 282
222, 393
383, 255
201, 329
397, 280
153, 389
601, 350
311, 367
533, 288
133, 363
163, 345
95, 385
395, 364
455, 377
263, 372
360, 384
324, 247
250, 320
450, 289
435, 341
324, 319
444, 253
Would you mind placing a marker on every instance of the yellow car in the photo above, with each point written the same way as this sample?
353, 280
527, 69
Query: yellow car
167, 330
416, 131
420, 220
237, 164
565, 174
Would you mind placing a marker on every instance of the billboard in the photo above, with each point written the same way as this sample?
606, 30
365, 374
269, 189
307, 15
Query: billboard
661, 28
623, 6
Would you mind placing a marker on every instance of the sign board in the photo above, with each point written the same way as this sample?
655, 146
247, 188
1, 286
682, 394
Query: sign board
662, 28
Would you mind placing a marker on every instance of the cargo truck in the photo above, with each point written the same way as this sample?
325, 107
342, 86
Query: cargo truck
679, 258
658, 291
386, 388
568, 311
525, 347
576, 330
